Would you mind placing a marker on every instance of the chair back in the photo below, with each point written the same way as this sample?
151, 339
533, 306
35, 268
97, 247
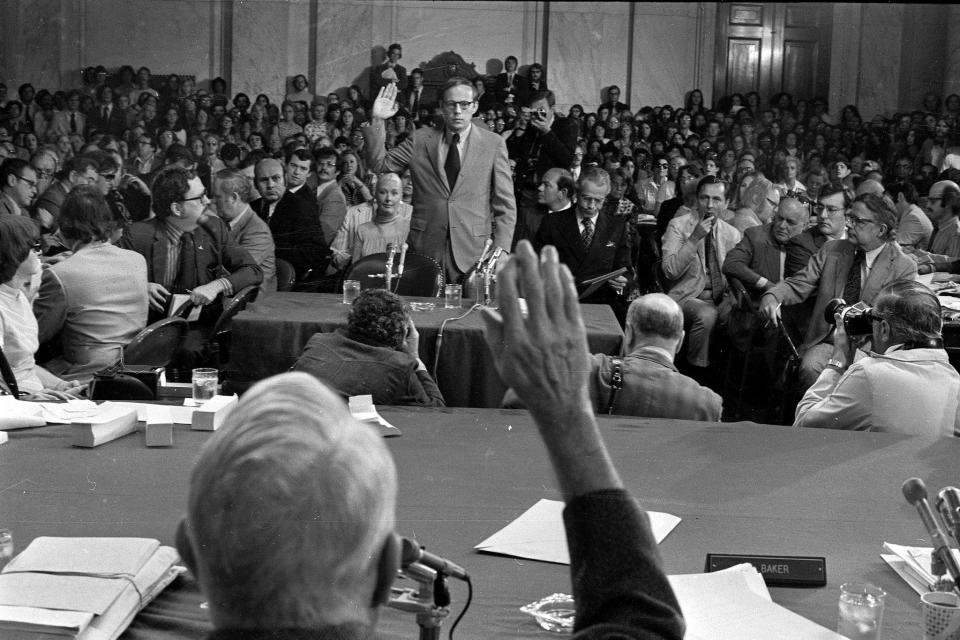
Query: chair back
422, 276
286, 275
236, 305
157, 344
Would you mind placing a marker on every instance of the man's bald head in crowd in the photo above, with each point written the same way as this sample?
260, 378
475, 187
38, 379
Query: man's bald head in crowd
654, 320
790, 220
869, 186
268, 178
943, 200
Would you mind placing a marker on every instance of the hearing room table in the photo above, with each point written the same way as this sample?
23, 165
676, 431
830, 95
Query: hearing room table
465, 473
270, 333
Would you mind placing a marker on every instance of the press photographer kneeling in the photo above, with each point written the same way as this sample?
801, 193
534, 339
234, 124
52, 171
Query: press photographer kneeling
905, 385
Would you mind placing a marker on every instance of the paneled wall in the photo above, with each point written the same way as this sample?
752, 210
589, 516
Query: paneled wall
884, 57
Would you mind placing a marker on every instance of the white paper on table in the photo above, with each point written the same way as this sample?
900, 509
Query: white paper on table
67, 412
363, 410
539, 534
899, 565
735, 604
913, 565
85, 556
59, 592
180, 414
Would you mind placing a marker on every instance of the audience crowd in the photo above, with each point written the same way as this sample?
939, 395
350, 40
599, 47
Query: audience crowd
742, 211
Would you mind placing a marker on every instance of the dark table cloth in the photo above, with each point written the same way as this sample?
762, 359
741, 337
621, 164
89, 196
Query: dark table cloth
269, 335
465, 473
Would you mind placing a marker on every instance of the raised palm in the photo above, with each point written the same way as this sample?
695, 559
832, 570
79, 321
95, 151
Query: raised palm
385, 106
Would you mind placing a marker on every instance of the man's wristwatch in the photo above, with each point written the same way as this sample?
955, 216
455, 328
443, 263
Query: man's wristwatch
838, 365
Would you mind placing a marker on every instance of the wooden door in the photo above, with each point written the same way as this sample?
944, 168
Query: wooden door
772, 47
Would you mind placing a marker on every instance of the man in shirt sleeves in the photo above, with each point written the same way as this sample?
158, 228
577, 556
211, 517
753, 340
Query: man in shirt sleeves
460, 199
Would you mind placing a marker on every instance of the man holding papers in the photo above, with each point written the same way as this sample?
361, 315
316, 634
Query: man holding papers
290, 466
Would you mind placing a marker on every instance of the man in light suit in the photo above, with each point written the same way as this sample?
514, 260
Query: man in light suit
231, 194
694, 248
462, 187
854, 269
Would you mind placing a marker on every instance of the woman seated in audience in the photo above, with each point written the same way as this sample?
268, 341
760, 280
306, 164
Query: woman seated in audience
19, 279
172, 121
757, 203
387, 208
353, 175
95, 300
346, 124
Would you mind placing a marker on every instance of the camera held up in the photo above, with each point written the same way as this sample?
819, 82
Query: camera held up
856, 318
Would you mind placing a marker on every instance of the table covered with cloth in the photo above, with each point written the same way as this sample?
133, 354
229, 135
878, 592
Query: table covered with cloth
466, 473
270, 334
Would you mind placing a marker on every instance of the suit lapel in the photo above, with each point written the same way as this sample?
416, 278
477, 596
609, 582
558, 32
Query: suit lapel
158, 253
599, 236
571, 233
879, 273
475, 151
433, 152
844, 262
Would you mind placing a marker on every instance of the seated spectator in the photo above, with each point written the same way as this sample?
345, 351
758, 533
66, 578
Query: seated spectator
291, 217
95, 300
590, 242
556, 191
831, 224
906, 385
299, 92
694, 248
232, 193
650, 386
854, 269
942, 206
18, 187
758, 199
387, 222
187, 251
19, 279
331, 204
377, 354
915, 228
300, 453
352, 179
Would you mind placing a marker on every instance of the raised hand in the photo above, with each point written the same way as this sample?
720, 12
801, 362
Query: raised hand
385, 105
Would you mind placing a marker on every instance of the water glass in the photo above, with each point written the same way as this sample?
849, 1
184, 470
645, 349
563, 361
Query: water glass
452, 296
861, 611
351, 289
204, 384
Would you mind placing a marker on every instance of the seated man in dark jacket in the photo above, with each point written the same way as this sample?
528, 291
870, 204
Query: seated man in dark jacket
187, 251
377, 354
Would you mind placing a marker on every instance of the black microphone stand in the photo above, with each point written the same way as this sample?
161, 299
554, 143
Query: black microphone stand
429, 601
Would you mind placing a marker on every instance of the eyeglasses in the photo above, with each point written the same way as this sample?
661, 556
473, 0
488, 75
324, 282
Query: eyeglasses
32, 183
43, 173
828, 210
201, 197
451, 105
37, 247
328, 163
109, 177
859, 222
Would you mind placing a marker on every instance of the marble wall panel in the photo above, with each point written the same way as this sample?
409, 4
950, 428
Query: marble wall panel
588, 46
344, 36
168, 37
922, 67
879, 73
260, 41
667, 46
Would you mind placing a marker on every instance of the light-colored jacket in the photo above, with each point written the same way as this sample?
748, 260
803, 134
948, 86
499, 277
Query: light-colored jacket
684, 261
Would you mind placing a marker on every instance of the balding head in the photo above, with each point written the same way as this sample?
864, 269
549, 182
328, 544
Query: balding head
942, 201
790, 219
653, 320
268, 178
290, 511
869, 186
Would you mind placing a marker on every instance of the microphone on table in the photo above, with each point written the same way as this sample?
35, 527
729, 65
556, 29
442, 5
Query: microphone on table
412, 552
488, 243
489, 274
916, 494
388, 269
948, 504
403, 258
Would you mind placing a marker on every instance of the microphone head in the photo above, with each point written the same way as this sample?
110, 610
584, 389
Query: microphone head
914, 490
948, 504
410, 551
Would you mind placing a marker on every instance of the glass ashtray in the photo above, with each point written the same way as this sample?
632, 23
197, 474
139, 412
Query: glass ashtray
423, 306
553, 613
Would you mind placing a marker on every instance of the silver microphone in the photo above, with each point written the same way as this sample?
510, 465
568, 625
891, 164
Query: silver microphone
403, 258
412, 552
916, 494
388, 275
948, 504
483, 254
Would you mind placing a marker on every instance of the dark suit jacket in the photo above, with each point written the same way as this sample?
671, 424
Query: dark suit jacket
609, 250
52, 199
115, 123
756, 256
296, 232
518, 87
801, 248
214, 256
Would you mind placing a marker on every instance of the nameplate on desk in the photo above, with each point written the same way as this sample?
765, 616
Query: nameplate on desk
777, 571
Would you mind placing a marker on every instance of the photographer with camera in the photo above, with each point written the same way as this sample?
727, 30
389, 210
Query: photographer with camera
905, 385
547, 142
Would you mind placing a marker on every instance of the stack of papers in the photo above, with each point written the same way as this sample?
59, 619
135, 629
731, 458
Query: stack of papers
85, 588
912, 564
